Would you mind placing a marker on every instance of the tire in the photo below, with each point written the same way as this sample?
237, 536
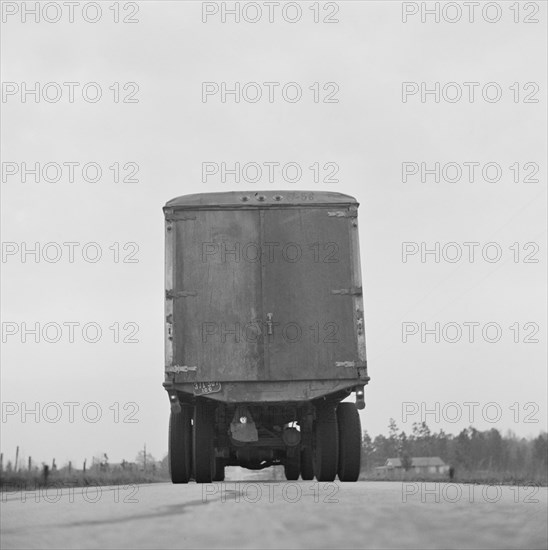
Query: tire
350, 436
292, 467
326, 444
219, 470
180, 446
204, 455
307, 464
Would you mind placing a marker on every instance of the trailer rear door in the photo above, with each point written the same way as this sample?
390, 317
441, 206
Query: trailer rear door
308, 291
217, 295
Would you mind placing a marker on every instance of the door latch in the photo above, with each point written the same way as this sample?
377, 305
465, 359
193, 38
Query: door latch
269, 323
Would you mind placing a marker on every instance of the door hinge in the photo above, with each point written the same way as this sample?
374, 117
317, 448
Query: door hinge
357, 364
181, 368
353, 291
171, 294
174, 217
351, 213
359, 323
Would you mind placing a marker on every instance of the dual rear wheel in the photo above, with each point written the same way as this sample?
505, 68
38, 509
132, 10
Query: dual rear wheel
307, 464
350, 442
180, 445
203, 442
337, 448
292, 467
191, 445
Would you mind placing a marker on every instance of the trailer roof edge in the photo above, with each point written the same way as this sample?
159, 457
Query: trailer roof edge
261, 199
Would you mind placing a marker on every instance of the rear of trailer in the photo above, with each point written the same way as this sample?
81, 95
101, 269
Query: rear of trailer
264, 333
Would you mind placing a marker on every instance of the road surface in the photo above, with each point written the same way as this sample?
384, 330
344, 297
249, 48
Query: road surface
258, 513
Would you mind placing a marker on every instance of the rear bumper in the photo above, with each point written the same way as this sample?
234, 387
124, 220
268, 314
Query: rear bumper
269, 392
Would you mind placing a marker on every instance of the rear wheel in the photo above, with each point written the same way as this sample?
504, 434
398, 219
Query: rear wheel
180, 446
326, 444
292, 467
350, 434
204, 455
219, 470
307, 465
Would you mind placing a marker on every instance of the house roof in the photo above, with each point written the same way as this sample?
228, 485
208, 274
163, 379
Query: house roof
417, 461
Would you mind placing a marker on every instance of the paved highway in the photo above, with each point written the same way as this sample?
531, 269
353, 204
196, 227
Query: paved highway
258, 513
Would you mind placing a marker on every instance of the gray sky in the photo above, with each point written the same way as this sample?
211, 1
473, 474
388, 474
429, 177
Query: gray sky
368, 134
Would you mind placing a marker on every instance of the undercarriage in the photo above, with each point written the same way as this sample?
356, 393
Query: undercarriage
311, 439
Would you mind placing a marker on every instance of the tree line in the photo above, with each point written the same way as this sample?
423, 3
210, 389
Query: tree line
471, 450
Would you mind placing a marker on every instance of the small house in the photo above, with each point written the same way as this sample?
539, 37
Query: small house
420, 465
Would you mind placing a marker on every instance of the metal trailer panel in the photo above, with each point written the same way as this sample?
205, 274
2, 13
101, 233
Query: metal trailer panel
218, 295
308, 291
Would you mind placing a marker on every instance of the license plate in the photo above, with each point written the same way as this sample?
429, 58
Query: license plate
202, 388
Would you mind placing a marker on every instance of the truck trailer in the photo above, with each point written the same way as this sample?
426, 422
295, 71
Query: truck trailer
264, 334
